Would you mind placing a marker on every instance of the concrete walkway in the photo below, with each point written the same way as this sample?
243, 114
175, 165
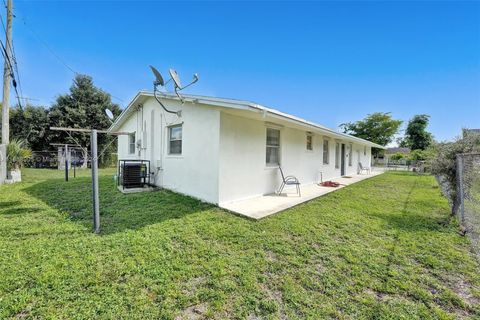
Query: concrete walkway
261, 207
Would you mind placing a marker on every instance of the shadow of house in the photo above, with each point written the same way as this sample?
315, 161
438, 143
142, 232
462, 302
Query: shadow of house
118, 211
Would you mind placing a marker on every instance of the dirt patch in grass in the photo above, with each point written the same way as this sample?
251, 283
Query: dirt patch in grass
195, 312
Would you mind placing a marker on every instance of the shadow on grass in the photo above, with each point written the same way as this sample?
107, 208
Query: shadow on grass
7, 204
15, 211
413, 221
118, 211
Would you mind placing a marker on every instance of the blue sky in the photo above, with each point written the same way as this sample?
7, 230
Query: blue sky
328, 62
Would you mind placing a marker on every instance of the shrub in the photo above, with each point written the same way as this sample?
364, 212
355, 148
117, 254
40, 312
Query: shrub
17, 153
443, 163
397, 156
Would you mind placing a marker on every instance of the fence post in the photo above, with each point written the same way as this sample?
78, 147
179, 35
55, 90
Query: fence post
95, 197
460, 191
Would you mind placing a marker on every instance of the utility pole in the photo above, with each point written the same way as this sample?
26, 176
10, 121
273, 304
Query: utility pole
6, 76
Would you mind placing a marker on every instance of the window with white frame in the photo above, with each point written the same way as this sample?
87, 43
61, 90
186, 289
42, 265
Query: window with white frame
175, 139
337, 155
131, 143
326, 153
273, 147
309, 142
350, 155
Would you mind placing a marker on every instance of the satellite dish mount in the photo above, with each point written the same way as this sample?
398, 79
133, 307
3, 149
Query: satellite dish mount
177, 86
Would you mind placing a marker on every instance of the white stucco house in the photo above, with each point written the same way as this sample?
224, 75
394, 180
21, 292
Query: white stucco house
225, 150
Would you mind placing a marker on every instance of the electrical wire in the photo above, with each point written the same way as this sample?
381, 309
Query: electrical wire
14, 57
11, 69
45, 44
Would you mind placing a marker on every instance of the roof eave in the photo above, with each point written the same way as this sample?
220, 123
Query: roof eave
242, 105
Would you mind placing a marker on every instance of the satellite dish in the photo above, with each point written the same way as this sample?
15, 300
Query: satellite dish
109, 114
175, 78
158, 77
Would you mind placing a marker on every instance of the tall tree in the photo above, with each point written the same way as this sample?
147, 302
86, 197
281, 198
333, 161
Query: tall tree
378, 127
30, 124
416, 135
83, 107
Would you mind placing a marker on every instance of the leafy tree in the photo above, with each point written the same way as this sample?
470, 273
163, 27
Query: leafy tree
30, 124
378, 127
416, 135
420, 155
83, 107
397, 156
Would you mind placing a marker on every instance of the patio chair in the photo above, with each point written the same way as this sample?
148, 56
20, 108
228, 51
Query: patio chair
289, 181
362, 168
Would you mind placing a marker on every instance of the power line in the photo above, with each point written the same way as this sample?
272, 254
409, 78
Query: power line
45, 44
14, 82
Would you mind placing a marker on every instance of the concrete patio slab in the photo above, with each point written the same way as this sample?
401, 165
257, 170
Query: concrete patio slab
264, 206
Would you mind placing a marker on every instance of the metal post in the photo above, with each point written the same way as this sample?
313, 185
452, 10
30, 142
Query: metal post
460, 187
96, 203
66, 162
74, 163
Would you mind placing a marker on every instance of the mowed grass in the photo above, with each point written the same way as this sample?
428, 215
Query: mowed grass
383, 248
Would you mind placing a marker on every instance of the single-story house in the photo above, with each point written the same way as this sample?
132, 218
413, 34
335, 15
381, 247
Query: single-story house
225, 150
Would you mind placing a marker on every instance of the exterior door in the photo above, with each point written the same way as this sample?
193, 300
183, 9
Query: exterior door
342, 160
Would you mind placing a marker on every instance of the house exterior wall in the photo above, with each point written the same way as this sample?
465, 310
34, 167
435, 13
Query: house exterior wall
243, 172
224, 155
195, 171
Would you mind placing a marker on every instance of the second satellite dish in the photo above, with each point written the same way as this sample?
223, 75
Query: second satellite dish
175, 78
109, 114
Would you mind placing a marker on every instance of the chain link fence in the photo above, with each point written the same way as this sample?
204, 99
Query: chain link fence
468, 195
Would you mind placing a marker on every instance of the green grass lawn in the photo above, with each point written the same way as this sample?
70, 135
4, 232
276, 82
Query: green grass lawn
381, 248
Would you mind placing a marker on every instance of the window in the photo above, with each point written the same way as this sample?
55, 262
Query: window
309, 142
365, 150
175, 139
350, 154
131, 143
273, 147
337, 155
325, 152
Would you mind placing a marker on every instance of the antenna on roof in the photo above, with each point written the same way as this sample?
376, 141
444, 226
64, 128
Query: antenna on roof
160, 82
109, 115
177, 86
158, 77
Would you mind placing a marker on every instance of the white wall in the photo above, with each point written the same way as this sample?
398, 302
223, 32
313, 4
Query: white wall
195, 172
243, 172
223, 155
